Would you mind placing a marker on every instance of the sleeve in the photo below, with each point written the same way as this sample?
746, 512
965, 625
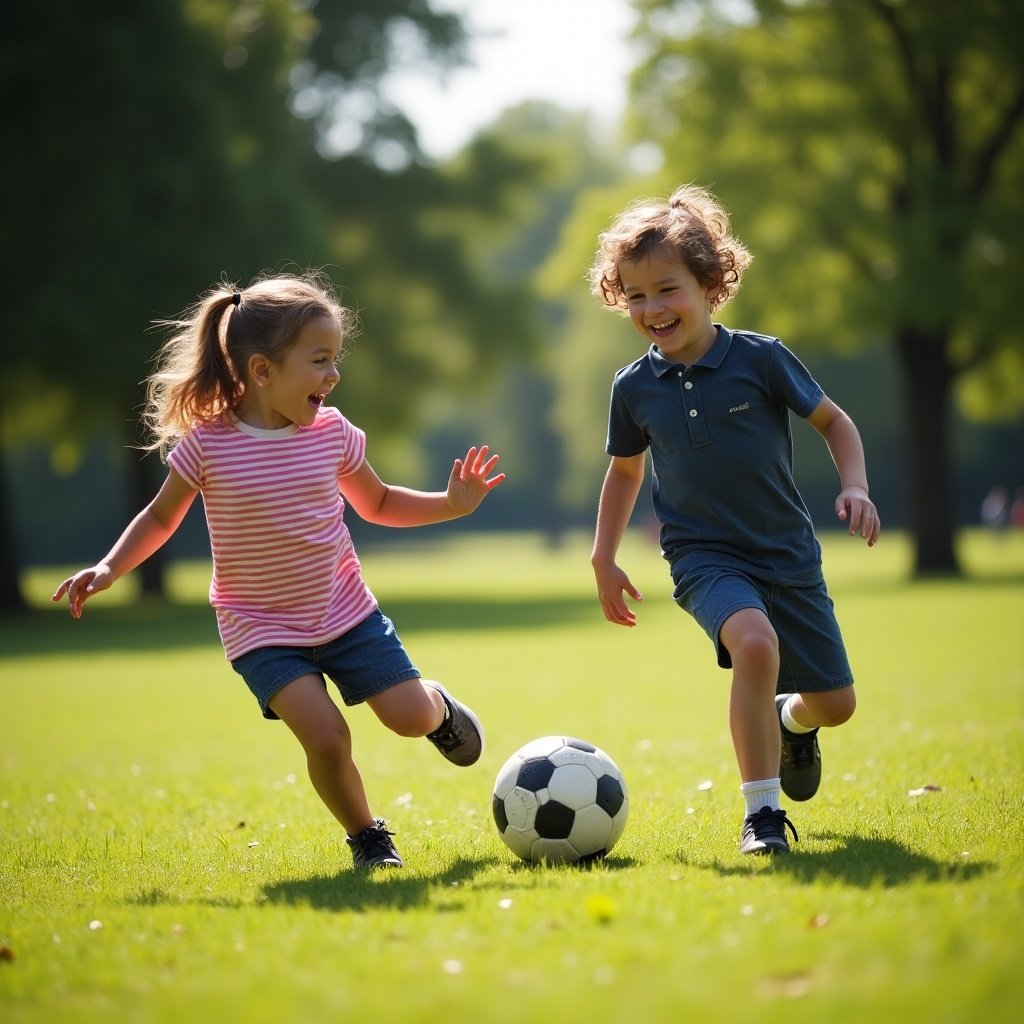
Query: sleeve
353, 447
625, 436
791, 384
186, 459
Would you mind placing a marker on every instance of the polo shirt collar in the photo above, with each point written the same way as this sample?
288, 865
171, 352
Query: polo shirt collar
713, 358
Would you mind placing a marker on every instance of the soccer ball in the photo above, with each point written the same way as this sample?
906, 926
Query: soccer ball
560, 800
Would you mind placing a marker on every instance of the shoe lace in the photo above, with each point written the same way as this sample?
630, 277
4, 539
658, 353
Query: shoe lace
374, 839
777, 820
448, 737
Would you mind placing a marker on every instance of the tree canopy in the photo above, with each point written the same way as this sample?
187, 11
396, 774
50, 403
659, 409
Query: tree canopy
871, 152
163, 145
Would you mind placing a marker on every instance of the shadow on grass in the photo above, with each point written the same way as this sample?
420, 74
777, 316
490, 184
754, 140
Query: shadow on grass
152, 624
358, 890
866, 862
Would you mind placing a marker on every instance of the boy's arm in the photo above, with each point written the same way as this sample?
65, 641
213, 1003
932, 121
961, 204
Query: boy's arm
146, 533
387, 505
618, 496
847, 451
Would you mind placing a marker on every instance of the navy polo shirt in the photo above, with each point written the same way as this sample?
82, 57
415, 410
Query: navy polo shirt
722, 454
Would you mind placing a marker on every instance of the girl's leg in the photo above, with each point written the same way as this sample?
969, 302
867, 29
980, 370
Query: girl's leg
417, 707
409, 708
753, 722
304, 706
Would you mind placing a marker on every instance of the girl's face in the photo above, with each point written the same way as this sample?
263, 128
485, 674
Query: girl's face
295, 388
668, 306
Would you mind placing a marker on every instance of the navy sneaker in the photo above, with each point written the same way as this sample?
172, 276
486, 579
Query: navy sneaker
764, 832
372, 848
800, 768
460, 737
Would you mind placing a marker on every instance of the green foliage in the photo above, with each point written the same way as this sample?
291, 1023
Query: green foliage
870, 152
162, 852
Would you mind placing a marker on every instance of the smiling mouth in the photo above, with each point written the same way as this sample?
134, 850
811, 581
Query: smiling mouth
660, 330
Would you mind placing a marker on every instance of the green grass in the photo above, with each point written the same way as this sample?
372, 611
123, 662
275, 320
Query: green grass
163, 857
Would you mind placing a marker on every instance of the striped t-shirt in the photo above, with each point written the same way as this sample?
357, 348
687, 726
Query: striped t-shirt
285, 572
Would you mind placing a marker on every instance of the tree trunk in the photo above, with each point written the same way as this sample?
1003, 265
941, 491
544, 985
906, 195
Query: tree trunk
11, 599
927, 382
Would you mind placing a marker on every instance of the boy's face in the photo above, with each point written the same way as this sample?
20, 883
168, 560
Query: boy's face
668, 306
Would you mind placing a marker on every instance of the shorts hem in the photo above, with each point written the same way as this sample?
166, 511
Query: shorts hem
351, 700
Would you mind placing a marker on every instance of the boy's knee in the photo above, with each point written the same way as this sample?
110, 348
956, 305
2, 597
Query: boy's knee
832, 708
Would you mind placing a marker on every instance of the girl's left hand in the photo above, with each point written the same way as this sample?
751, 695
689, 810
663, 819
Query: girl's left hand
470, 481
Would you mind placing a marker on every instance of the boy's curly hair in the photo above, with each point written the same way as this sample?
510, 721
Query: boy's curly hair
691, 227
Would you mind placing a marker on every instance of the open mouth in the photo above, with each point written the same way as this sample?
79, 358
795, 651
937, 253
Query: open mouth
316, 400
660, 330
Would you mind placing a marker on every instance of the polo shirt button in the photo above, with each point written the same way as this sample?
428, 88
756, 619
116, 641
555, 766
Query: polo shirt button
688, 385
693, 412
679, 373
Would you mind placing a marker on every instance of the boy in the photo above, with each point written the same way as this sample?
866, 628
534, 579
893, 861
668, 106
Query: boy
712, 405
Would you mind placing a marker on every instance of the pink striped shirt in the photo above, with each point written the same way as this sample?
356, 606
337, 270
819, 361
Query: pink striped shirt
285, 572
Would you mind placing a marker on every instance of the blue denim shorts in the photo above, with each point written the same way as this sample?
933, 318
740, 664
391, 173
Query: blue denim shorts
812, 655
363, 662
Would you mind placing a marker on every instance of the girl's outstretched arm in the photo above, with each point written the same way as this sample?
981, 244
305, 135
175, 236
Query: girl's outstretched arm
147, 532
469, 483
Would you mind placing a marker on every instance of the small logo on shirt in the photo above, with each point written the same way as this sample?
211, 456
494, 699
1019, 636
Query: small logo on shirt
740, 408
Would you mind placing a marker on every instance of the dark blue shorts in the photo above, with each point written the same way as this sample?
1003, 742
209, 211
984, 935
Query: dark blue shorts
363, 662
812, 656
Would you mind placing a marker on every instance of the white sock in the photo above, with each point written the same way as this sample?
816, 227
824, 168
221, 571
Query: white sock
765, 793
790, 722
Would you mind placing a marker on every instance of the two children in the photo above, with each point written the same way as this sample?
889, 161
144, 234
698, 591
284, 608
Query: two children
238, 405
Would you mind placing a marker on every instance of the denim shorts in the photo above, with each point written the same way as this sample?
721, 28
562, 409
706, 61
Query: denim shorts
812, 656
363, 662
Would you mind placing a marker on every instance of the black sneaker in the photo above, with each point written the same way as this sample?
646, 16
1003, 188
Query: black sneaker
800, 769
460, 737
372, 848
764, 832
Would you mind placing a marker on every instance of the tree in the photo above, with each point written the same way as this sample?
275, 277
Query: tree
871, 152
162, 144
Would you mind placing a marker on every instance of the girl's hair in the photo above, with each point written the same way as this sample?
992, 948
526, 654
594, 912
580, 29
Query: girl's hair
201, 367
691, 227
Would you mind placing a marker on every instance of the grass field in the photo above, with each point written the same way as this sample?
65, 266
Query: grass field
163, 856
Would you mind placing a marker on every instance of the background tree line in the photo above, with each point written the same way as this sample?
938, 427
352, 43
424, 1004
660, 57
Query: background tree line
870, 151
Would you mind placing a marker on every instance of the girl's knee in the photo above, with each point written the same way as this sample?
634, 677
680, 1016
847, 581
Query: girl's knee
333, 742
407, 709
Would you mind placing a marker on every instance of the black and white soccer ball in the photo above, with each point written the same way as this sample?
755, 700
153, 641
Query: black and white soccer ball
560, 800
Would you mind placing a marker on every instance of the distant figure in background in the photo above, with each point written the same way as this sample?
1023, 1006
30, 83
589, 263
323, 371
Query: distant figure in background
238, 404
1017, 509
712, 405
995, 508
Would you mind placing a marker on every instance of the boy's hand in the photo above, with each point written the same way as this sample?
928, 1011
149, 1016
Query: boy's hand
82, 586
612, 582
853, 504
468, 484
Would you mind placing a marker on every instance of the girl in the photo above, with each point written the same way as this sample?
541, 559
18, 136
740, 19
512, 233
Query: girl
712, 405
238, 406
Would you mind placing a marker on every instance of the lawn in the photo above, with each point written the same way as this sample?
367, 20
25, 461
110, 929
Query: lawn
163, 856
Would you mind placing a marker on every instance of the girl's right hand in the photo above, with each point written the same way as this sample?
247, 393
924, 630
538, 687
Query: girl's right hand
82, 586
